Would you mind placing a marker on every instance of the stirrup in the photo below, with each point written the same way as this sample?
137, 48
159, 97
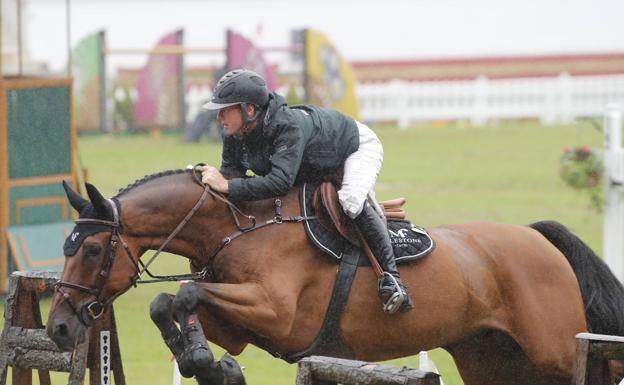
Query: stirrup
397, 299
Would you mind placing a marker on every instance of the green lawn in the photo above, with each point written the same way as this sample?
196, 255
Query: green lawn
452, 174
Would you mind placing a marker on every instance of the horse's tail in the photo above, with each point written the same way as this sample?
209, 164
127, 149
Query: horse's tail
602, 293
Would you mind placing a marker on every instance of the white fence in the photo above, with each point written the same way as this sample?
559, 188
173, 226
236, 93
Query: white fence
549, 99
613, 217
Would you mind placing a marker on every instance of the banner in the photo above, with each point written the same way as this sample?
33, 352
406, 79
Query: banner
330, 81
242, 53
88, 72
159, 101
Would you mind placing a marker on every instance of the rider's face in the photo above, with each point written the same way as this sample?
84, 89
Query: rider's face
231, 118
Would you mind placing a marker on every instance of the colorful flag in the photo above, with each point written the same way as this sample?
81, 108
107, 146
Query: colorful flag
159, 96
87, 63
242, 53
330, 81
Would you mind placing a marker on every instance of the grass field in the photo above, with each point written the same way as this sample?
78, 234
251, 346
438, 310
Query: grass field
506, 173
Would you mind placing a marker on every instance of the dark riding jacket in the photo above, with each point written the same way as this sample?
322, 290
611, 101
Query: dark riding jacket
290, 145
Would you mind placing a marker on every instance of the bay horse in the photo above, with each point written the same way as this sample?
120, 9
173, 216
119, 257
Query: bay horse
506, 301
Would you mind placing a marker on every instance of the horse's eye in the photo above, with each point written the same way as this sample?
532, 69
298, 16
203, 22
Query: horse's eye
92, 250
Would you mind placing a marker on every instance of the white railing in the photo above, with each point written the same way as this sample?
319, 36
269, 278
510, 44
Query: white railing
613, 217
549, 99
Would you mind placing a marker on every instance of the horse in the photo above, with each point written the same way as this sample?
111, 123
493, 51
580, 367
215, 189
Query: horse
505, 300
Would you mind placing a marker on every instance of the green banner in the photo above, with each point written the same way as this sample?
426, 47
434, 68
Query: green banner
87, 69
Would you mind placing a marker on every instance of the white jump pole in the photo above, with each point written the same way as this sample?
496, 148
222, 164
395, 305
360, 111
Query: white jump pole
613, 216
426, 364
177, 377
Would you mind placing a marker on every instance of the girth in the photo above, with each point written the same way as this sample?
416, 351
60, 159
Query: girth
329, 341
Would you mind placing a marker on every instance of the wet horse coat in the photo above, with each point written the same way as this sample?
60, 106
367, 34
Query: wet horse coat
502, 299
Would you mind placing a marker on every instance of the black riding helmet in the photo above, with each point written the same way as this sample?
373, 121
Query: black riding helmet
242, 87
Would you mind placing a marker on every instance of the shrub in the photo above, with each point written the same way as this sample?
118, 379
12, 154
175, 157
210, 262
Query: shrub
582, 169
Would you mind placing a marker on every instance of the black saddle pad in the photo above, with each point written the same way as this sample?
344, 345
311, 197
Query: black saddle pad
409, 241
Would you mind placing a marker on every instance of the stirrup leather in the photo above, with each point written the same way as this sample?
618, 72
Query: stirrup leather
396, 300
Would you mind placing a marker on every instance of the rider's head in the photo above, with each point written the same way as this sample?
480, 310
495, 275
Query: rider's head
240, 96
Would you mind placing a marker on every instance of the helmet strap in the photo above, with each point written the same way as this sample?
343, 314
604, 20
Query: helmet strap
246, 118
249, 120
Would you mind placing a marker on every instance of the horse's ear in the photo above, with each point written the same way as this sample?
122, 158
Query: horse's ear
98, 201
75, 199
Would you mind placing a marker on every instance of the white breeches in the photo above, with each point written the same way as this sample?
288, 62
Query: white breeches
361, 170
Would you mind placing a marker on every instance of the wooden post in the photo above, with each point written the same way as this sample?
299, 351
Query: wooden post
25, 344
593, 353
317, 370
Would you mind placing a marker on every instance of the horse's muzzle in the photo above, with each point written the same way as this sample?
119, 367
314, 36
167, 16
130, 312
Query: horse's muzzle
65, 329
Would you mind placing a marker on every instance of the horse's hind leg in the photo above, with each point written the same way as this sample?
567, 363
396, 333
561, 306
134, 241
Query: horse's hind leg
494, 358
196, 354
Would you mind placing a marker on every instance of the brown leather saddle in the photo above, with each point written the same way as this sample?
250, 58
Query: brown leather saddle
331, 216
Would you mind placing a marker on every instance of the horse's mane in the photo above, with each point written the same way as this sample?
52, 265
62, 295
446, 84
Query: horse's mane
148, 178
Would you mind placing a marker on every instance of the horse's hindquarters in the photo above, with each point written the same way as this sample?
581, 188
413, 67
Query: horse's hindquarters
487, 288
540, 309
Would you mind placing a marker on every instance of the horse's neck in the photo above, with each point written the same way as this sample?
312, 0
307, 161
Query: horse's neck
259, 255
152, 212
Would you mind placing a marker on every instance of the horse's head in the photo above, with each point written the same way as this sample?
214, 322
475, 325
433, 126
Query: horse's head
102, 253
98, 267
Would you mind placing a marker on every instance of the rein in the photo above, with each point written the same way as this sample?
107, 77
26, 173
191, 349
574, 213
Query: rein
96, 308
277, 219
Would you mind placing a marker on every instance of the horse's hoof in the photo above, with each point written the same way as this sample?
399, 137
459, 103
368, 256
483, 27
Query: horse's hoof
194, 359
201, 357
232, 371
185, 367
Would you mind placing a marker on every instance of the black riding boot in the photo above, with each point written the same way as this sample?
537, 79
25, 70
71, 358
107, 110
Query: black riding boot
392, 291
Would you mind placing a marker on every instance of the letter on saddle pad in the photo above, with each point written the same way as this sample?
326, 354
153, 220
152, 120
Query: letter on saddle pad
334, 227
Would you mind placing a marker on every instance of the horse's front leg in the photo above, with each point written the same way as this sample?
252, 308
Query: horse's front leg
196, 355
161, 312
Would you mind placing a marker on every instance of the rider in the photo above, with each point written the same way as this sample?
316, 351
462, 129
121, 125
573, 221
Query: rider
284, 146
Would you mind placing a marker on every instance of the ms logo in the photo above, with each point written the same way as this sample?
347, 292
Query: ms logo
401, 233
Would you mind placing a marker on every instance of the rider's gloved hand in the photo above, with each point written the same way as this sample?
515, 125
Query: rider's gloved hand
213, 178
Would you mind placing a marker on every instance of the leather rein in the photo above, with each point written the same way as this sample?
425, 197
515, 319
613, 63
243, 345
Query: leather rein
94, 309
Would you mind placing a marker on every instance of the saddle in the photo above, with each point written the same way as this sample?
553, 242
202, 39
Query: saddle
334, 232
332, 217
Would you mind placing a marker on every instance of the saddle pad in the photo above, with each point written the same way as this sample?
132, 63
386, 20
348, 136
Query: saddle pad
409, 242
